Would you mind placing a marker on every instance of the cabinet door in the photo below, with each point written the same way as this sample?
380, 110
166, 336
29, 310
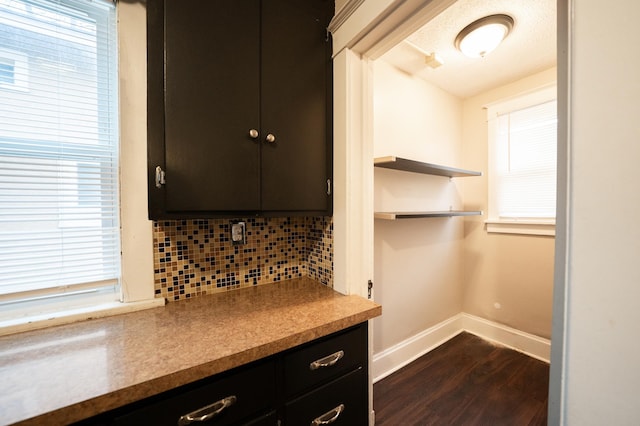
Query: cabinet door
296, 105
211, 102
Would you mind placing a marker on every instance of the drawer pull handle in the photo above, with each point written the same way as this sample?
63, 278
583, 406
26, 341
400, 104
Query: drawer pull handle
329, 417
160, 177
206, 413
327, 361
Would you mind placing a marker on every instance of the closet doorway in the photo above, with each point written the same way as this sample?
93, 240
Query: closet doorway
428, 273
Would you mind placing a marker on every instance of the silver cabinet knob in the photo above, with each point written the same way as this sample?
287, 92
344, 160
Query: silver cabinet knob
253, 134
270, 138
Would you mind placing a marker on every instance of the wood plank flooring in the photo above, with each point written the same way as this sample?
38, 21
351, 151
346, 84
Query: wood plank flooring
466, 381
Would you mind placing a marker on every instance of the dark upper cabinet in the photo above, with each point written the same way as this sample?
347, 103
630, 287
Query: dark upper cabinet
239, 108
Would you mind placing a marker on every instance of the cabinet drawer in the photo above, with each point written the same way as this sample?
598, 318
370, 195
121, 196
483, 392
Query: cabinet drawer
344, 399
324, 360
248, 391
269, 419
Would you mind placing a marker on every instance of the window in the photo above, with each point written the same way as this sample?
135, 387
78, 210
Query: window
13, 69
7, 71
59, 213
522, 163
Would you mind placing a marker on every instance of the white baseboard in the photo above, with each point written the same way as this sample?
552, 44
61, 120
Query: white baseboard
403, 353
529, 344
407, 351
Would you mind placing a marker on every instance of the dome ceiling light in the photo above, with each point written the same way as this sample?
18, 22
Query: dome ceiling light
480, 37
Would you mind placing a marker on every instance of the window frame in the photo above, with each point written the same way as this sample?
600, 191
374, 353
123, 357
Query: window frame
137, 278
494, 223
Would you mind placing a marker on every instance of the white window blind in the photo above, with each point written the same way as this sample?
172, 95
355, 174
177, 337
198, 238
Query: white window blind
59, 228
526, 162
523, 141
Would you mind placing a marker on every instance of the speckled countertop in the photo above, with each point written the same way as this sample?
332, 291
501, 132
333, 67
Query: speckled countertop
66, 373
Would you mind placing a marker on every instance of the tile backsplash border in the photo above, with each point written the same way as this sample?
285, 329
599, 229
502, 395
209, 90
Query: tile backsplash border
196, 256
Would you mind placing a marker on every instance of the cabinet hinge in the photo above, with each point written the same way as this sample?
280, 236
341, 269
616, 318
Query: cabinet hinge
369, 287
328, 186
160, 175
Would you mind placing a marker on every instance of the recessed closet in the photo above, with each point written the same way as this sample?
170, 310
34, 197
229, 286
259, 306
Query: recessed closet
435, 276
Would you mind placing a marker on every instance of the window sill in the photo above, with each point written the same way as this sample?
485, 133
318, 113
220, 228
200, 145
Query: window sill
34, 322
522, 227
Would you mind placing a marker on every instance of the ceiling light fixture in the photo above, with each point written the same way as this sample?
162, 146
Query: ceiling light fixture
481, 37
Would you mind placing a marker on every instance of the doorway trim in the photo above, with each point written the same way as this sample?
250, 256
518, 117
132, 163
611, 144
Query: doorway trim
362, 31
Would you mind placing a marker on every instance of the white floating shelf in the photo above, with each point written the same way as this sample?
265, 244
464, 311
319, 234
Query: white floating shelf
403, 164
418, 215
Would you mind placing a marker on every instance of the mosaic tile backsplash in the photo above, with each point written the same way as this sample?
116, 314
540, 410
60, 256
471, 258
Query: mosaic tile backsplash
197, 257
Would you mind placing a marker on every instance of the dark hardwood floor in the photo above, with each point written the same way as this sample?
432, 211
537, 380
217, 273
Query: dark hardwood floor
466, 381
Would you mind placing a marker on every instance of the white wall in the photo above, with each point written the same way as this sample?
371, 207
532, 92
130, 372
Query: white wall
601, 376
137, 238
418, 262
508, 278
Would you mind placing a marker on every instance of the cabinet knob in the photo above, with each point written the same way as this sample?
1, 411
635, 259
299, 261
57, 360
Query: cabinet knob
270, 138
253, 134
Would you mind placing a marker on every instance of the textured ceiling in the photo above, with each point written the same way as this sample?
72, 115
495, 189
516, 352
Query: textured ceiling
529, 48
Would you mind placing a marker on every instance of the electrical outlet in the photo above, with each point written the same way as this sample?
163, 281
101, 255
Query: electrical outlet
238, 233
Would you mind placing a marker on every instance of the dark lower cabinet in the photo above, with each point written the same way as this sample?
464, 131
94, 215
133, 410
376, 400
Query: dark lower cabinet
319, 383
325, 382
